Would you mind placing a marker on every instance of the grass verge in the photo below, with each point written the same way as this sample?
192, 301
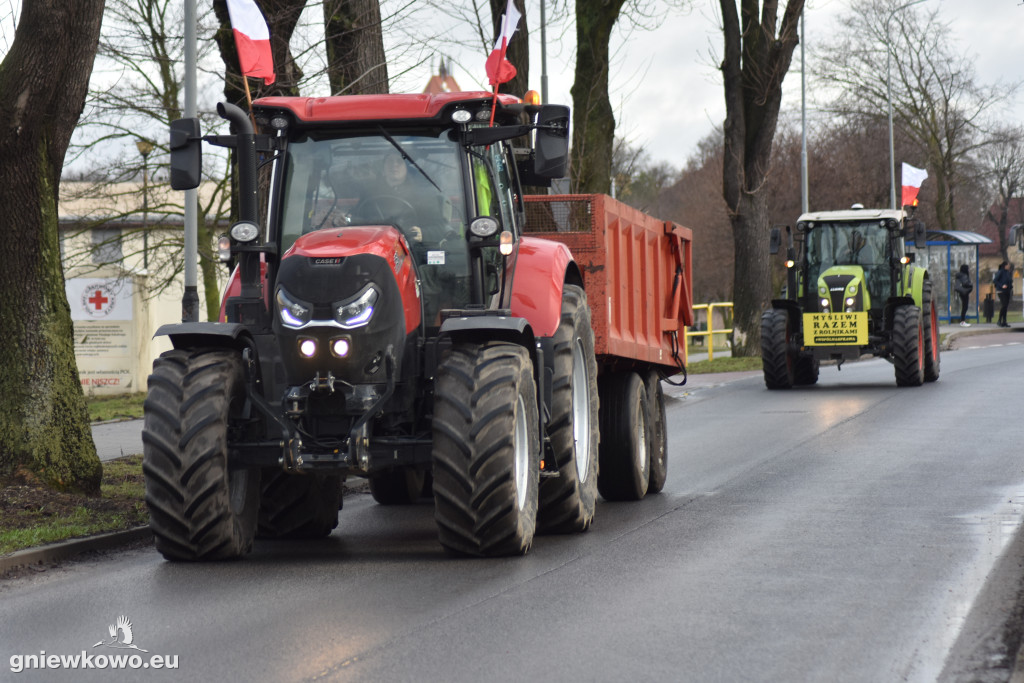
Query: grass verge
120, 407
32, 515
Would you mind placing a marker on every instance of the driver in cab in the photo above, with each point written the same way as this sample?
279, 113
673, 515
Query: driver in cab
401, 200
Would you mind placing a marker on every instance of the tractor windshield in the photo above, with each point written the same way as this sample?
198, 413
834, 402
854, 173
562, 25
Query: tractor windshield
851, 243
415, 183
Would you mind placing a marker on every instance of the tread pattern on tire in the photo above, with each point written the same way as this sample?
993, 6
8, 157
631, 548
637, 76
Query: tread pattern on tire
658, 433
566, 504
907, 346
776, 360
298, 505
199, 509
931, 335
479, 388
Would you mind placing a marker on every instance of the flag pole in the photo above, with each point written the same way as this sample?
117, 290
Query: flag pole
248, 100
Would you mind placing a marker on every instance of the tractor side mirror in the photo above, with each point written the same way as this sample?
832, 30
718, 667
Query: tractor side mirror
186, 154
775, 240
920, 234
551, 156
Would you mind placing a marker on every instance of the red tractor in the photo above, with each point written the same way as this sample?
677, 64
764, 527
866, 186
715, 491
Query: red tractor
387, 318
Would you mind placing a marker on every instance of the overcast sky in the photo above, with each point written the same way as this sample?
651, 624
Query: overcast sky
667, 91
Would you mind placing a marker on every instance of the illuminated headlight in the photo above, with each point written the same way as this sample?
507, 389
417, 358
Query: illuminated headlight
824, 303
849, 301
307, 348
293, 313
245, 232
340, 347
790, 263
461, 116
356, 312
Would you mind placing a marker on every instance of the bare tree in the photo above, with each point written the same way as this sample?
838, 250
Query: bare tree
1004, 165
640, 181
44, 424
758, 51
936, 98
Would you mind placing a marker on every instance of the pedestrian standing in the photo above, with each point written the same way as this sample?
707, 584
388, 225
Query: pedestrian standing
1004, 288
963, 286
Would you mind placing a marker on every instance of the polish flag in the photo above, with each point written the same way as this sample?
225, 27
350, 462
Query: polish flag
252, 39
499, 69
912, 179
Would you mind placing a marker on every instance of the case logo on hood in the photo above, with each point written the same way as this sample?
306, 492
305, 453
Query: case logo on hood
326, 260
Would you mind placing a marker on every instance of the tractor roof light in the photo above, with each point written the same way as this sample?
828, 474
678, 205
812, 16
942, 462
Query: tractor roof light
461, 116
245, 232
531, 97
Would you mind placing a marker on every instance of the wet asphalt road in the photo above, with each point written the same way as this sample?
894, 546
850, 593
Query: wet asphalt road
841, 532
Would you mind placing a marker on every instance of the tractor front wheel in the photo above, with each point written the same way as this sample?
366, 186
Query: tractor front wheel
486, 450
776, 359
200, 508
908, 346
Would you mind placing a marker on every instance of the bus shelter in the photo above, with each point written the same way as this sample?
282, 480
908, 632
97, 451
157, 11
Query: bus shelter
947, 251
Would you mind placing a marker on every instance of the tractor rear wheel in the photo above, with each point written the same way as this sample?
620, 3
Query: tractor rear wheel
658, 432
398, 487
298, 505
567, 501
625, 454
908, 346
199, 507
931, 335
776, 360
486, 450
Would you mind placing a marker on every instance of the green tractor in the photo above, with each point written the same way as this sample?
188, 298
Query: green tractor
851, 290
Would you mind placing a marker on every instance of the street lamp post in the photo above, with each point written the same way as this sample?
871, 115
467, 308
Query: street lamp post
888, 96
145, 147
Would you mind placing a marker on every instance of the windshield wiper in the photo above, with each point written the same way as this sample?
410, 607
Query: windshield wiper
405, 155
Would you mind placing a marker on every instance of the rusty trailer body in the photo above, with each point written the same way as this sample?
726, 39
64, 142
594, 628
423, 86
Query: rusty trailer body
637, 273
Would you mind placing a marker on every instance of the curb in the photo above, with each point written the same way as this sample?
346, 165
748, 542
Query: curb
65, 550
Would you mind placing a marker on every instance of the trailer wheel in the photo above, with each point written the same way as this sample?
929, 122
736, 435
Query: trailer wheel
908, 346
567, 501
398, 487
625, 456
658, 432
931, 335
199, 507
776, 360
486, 450
298, 505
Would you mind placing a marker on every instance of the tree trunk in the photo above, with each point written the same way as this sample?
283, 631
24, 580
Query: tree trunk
44, 423
356, 64
755, 62
593, 120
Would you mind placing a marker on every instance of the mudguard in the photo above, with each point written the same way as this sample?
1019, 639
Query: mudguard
540, 271
913, 283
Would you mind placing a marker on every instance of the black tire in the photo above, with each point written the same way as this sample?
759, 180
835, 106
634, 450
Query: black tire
805, 370
624, 454
398, 487
486, 450
567, 502
658, 432
931, 335
908, 346
298, 505
199, 508
776, 360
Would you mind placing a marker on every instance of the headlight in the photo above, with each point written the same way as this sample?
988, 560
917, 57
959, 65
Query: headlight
245, 231
356, 312
293, 313
824, 303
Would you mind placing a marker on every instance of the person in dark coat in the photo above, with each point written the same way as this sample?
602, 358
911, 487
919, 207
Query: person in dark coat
1004, 288
962, 285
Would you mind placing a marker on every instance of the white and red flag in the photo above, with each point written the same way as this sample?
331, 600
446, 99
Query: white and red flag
252, 39
912, 179
499, 69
